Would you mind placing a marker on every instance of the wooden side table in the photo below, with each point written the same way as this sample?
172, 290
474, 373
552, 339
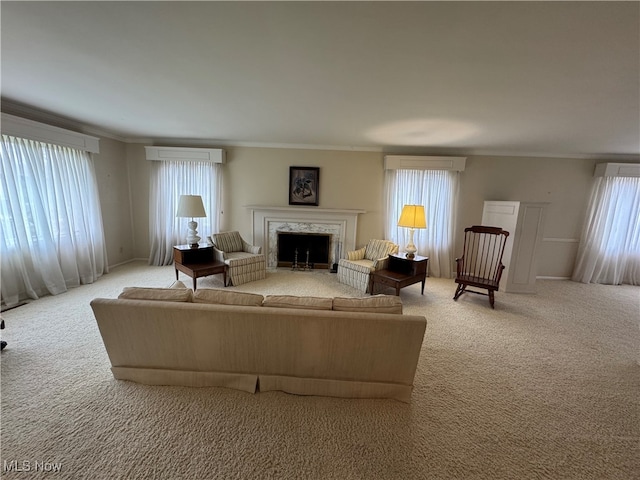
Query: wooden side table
401, 272
197, 262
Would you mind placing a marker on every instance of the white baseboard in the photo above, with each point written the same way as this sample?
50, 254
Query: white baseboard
553, 278
127, 261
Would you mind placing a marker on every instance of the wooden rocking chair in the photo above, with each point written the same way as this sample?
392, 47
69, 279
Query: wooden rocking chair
480, 265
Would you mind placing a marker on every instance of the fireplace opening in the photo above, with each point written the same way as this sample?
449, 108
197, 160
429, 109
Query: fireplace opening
303, 250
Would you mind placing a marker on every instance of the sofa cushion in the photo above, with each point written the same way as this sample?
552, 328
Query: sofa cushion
213, 295
228, 241
243, 258
164, 294
362, 266
375, 304
301, 303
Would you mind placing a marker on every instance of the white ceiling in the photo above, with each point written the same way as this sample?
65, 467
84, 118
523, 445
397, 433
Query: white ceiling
502, 78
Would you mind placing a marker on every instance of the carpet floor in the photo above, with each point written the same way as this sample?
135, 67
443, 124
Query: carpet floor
545, 386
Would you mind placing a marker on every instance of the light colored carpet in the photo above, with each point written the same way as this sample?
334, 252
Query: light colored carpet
545, 386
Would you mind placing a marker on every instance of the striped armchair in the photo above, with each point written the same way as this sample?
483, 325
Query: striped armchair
355, 269
245, 263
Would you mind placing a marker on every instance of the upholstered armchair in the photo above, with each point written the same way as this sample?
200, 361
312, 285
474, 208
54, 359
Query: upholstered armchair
355, 269
245, 263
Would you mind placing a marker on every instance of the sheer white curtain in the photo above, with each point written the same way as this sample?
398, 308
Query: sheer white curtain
437, 190
52, 234
169, 180
609, 249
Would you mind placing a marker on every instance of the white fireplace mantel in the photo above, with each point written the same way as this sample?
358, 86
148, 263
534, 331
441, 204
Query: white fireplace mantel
342, 224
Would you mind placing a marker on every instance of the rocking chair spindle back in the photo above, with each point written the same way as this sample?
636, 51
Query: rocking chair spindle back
480, 265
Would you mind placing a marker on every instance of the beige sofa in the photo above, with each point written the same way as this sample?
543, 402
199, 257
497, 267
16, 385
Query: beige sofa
299, 345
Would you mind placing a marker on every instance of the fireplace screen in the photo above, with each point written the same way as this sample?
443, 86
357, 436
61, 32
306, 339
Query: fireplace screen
303, 250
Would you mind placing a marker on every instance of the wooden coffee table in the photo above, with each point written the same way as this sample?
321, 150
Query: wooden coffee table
401, 272
197, 262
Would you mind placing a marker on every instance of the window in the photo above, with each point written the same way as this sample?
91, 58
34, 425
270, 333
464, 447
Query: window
169, 180
437, 191
609, 249
52, 234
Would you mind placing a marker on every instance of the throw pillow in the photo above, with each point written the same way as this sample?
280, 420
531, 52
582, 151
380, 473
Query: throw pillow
356, 254
301, 303
164, 294
177, 284
213, 295
375, 304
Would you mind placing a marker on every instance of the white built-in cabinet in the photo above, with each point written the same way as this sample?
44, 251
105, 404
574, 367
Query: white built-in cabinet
525, 223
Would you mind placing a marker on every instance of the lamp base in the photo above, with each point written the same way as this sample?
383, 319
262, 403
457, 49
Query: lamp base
193, 240
410, 248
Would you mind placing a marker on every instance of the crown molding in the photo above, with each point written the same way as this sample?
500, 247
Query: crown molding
30, 113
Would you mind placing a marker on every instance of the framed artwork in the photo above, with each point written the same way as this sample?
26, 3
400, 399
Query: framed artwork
304, 185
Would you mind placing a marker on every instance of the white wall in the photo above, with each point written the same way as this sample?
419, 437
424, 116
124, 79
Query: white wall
139, 169
260, 176
115, 202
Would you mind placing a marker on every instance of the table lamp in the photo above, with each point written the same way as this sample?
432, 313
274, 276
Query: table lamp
412, 217
191, 206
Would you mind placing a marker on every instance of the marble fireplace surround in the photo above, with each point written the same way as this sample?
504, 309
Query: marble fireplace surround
267, 221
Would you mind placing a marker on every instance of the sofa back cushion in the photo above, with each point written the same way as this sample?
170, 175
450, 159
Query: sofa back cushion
376, 249
228, 241
213, 295
375, 304
164, 294
301, 303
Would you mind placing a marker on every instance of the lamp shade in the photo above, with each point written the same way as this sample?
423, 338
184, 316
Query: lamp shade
412, 216
190, 206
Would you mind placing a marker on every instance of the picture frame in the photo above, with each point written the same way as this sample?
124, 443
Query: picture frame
304, 185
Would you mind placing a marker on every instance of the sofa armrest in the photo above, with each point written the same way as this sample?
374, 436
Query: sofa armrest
356, 254
381, 263
219, 255
251, 248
